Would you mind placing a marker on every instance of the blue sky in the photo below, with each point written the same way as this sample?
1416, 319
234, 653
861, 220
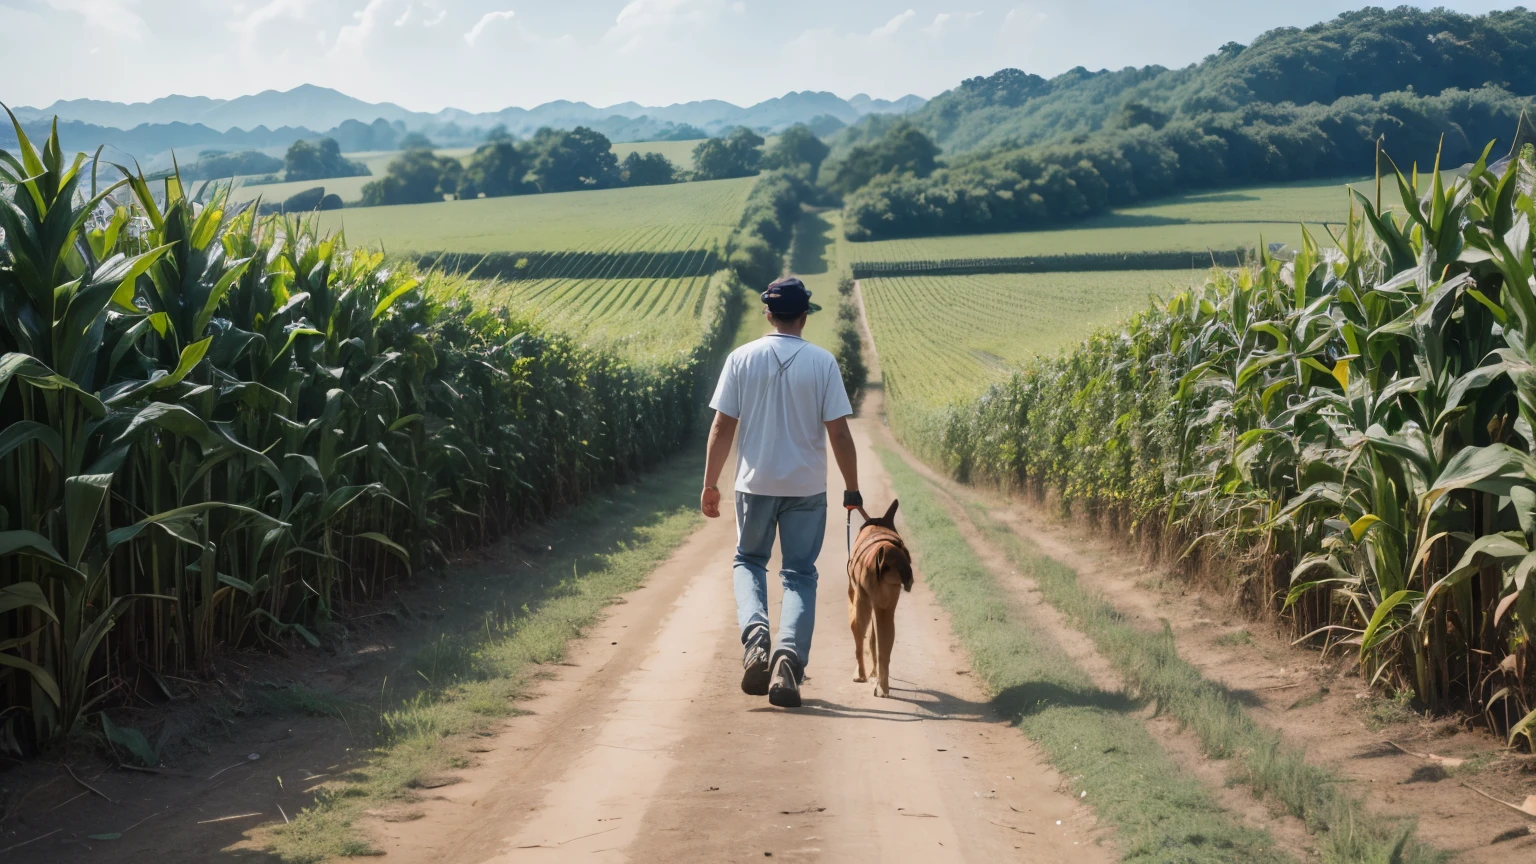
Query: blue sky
488, 54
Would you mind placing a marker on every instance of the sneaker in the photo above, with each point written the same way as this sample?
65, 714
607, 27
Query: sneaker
784, 692
754, 662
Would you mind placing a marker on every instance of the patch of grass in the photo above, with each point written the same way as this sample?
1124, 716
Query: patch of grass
1382, 711
1235, 638
1347, 831
1159, 813
1475, 764
468, 678
934, 353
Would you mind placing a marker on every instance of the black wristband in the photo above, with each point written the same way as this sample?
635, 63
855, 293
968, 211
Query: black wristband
852, 498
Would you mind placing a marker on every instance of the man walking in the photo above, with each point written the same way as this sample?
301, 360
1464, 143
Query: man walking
787, 397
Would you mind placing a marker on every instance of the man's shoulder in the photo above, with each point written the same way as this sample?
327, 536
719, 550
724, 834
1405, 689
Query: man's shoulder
765, 345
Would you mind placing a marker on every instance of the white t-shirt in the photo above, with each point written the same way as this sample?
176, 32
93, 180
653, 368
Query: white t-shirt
782, 389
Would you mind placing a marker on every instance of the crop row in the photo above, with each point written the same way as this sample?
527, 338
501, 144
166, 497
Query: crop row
1348, 433
1082, 262
674, 264
222, 429
945, 338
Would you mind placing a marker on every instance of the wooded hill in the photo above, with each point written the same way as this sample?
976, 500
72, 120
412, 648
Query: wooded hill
1296, 104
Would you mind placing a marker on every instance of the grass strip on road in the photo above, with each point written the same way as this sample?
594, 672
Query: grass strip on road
469, 677
1150, 662
1158, 813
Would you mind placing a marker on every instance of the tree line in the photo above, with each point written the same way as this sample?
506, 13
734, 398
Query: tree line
896, 186
569, 160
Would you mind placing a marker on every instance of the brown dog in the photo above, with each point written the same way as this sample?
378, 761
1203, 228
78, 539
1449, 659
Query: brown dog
879, 569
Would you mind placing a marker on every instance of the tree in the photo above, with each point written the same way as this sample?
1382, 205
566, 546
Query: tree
499, 132
416, 177
217, 165
735, 156
319, 160
415, 141
796, 147
578, 159
647, 169
904, 149
498, 168
1134, 114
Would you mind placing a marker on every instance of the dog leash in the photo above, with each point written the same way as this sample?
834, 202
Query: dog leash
848, 527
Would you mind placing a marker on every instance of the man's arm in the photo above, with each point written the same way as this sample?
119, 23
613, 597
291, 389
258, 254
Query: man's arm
841, 439
721, 433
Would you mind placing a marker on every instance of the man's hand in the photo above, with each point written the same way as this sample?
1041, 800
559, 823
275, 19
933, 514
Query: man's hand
721, 433
852, 500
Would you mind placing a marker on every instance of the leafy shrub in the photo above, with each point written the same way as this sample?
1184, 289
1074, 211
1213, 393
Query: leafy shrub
222, 166
756, 249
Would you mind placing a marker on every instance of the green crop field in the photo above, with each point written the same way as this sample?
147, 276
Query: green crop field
679, 153
640, 219
943, 338
1226, 220
642, 318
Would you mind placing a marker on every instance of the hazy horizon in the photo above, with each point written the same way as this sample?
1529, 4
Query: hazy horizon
486, 55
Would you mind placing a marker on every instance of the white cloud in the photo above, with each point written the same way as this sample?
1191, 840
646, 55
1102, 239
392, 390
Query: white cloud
475, 32
944, 20
406, 17
652, 22
248, 25
113, 15
889, 28
1024, 18
435, 19
355, 36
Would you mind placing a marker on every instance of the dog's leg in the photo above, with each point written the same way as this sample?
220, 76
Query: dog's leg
885, 635
858, 622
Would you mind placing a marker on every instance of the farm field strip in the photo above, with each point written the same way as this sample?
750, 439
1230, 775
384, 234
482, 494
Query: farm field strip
650, 316
1222, 220
943, 338
638, 219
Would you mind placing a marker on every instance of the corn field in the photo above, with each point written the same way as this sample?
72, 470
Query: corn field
1347, 434
220, 429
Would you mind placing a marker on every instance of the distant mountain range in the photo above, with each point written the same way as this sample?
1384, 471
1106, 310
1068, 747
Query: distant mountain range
270, 121
321, 108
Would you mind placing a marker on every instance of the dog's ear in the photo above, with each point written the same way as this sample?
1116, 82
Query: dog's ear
890, 514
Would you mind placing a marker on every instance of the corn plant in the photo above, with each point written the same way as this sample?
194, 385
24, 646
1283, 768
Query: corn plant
1349, 428
220, 428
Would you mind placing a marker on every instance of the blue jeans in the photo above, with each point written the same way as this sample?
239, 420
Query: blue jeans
801, 524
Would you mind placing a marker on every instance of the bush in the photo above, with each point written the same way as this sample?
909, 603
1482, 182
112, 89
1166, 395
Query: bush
222, 166
647, 169
756, 249
310, 200
850, 342
319, 160
735, 156
417, 177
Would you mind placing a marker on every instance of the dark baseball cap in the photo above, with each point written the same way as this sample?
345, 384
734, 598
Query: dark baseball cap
788, 297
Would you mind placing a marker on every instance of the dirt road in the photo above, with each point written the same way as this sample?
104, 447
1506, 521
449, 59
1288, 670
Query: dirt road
644, 748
